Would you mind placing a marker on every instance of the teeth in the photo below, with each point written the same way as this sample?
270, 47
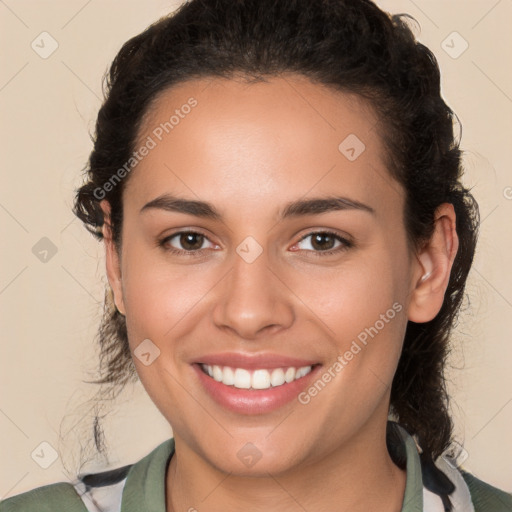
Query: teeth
242, 379
277, 377
228, 376
258, 379
290, 374
217, 373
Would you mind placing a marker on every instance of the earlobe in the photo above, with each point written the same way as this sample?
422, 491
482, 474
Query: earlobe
112, 259
433, 267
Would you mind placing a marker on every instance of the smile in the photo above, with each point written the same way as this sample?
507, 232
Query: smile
254, 384
242, 378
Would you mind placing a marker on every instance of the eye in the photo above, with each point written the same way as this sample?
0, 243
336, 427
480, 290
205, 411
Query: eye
323, 243
191, 242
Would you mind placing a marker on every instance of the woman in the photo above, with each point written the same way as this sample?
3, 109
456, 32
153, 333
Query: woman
278, 187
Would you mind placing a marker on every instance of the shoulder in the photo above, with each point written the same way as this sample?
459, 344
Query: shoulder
90, 492
99, 491
485, 497
49, 498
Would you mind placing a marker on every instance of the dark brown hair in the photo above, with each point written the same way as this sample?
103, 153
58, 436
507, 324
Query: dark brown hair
351, 46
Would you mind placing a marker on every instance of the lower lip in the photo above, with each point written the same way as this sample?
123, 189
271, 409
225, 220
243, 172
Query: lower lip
254, 401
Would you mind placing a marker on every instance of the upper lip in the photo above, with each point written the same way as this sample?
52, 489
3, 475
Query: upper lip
254, 361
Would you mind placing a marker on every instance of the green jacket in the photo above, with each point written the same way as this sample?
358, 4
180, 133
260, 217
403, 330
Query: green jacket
144, 489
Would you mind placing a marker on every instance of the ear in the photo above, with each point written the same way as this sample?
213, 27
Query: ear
112, 259
433, 267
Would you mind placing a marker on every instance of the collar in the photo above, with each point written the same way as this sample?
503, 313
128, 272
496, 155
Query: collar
145, 484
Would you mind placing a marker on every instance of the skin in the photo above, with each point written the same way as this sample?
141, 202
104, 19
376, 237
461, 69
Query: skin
249, 149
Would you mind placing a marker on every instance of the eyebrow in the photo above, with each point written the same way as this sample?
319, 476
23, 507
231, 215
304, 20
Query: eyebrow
300, 207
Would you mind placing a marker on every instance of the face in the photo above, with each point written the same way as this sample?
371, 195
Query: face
264, 272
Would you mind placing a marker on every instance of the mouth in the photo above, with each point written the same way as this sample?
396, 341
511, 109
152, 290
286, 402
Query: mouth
261, 378
254, 385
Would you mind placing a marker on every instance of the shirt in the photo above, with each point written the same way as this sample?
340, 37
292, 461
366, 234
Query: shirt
142, 489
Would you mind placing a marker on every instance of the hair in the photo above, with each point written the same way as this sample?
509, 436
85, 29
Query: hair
350, 46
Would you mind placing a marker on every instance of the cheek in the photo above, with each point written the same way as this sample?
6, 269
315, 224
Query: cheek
159, 296
161, 302
352, 297
361, 307
359, 315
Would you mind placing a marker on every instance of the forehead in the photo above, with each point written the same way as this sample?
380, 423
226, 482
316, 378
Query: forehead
231, 140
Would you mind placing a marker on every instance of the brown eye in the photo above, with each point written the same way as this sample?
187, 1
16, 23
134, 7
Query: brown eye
324, 241
184, 242
191, 241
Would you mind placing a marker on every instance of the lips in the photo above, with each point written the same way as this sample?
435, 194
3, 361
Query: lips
254, 383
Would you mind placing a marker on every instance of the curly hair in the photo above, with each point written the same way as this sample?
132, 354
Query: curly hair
350, 46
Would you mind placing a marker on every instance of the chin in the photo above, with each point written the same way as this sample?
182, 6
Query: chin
259, 459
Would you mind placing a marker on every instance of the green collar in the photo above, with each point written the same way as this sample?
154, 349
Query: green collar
413, 496
145, 484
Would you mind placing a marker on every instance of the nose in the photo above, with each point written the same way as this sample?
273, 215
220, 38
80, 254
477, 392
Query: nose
253, 301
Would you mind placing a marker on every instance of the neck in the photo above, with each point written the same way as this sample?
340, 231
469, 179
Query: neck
357, 477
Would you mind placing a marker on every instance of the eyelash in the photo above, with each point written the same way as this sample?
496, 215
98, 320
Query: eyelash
345, 244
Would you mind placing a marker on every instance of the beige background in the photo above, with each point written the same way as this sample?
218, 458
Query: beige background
50, 311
